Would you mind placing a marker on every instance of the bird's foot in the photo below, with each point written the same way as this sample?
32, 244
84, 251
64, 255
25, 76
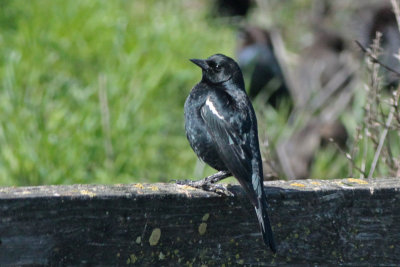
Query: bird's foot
209, 183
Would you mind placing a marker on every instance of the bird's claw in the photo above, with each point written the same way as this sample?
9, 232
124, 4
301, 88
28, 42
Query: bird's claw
219, 189
206, 186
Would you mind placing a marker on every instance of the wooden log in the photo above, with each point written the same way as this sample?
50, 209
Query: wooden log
351, 222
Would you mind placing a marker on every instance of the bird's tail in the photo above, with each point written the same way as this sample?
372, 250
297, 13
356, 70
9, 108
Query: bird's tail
265, 225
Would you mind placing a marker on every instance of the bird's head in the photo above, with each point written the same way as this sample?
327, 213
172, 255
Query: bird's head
218, 69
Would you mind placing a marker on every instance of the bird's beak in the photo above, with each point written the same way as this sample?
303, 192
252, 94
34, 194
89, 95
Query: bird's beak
202, 63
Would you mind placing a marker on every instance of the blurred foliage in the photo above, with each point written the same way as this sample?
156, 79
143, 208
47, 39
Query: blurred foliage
93, 91
57, 56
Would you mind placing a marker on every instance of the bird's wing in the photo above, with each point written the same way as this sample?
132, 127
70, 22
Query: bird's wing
233, 141
237, 145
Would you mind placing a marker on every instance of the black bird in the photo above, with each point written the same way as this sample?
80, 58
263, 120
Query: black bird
229, 8
319, 64
380, 17
256, 57
384, 21
221, 127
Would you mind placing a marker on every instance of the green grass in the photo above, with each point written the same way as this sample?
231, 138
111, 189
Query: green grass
57, 56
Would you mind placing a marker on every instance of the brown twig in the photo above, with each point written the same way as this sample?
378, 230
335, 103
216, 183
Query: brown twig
376, 60
381, 142
396, 97
105, 118
349, 157
354, 148
365, 153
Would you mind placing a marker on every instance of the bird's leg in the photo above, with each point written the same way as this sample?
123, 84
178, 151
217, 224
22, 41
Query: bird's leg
212, 179
209, 183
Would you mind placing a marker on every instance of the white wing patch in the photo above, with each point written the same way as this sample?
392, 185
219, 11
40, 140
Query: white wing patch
230, 140
213, 109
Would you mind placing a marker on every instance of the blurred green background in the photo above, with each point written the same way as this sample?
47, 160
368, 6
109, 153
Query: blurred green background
93, 91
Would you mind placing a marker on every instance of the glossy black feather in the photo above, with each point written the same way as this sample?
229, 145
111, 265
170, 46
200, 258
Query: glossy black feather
221, 127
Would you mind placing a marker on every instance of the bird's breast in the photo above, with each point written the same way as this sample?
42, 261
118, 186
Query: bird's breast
197, 132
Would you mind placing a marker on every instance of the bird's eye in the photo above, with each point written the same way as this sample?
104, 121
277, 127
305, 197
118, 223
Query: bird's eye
212, 64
